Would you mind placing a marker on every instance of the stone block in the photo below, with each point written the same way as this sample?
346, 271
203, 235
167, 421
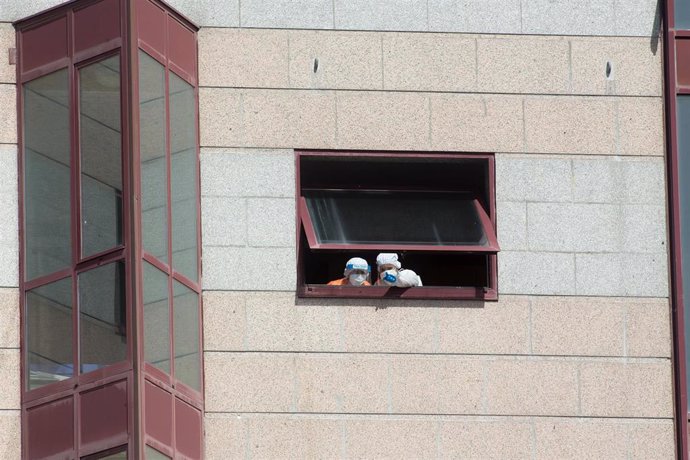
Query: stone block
533, 178
11, 388
644, 228
544, 273
574, 227
531, 387
479, 123
7, 40
287, 14
429, 62
391, 438
563, 17
342, 383
578, 326
486, 438
570, 124
10, 434
641, 129
210, 13
619, 180
13, 10
381, 120
436, 385
648, 328
255, 382
220, 117
289, 118
396, 329
8, 118
638, 18
485, 328
247, 173
652, 441
280, 322
271, 222
402, 15
281, 437
249, 269
475, 16
335, 60
643, 275
580, 438
512, 225
9, 274
225, 436
514, 64
243, 58
225, 325
9, 318
626, 389
223, 221
635, 69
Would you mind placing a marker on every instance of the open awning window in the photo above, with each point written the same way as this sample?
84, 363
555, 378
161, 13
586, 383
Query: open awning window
396, 220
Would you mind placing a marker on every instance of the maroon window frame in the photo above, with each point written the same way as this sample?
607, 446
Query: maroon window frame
676, 83
118, 407
487, 217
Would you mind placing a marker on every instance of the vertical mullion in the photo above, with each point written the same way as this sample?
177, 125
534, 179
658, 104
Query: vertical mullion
168, 165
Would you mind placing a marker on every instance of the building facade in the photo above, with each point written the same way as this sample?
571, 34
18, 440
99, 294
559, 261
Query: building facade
565, 346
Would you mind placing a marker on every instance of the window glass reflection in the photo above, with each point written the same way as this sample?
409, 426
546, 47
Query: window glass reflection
49, 333
183, 176
101, 157
186, 321
154, 176
682, 8
153, 454
684, 195
46, 175
156, 318
102, 327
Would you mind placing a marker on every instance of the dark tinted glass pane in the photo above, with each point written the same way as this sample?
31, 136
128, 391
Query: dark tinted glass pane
102, 327
183, 176
684, 193
156, 318
46, 175
154, 176
376, 217
186, 320
101, 157
49, 333
682, 14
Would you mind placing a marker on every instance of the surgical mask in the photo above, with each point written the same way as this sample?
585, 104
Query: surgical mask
389, 277
357, 279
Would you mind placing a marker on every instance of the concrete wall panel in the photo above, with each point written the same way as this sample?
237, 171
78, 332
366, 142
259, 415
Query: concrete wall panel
9, 369
287, 14
9, 318
407, 15
10, 434
7, 41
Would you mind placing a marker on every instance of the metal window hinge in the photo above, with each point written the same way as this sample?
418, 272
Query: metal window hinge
12, 55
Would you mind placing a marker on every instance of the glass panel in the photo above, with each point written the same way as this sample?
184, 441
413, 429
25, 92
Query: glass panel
47, 175
682, 14
385, 217
102, 327
101, 156
154, 173
186, 321
153, 454
116, 456
49, 333
183, 176
156, 318
684, 198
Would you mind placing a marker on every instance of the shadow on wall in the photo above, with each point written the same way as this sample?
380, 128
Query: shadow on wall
656, 27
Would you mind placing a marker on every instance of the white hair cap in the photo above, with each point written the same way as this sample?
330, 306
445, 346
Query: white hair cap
388, 258
356, 263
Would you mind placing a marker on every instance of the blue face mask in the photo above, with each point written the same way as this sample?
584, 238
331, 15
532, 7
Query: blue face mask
389, 276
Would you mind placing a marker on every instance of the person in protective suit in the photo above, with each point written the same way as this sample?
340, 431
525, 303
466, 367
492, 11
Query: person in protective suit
391, 273
357, 273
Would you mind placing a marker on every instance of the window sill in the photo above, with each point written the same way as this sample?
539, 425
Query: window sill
380, 292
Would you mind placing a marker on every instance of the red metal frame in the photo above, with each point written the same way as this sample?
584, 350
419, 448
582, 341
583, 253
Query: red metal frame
133, 370
671, 91
304, 223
